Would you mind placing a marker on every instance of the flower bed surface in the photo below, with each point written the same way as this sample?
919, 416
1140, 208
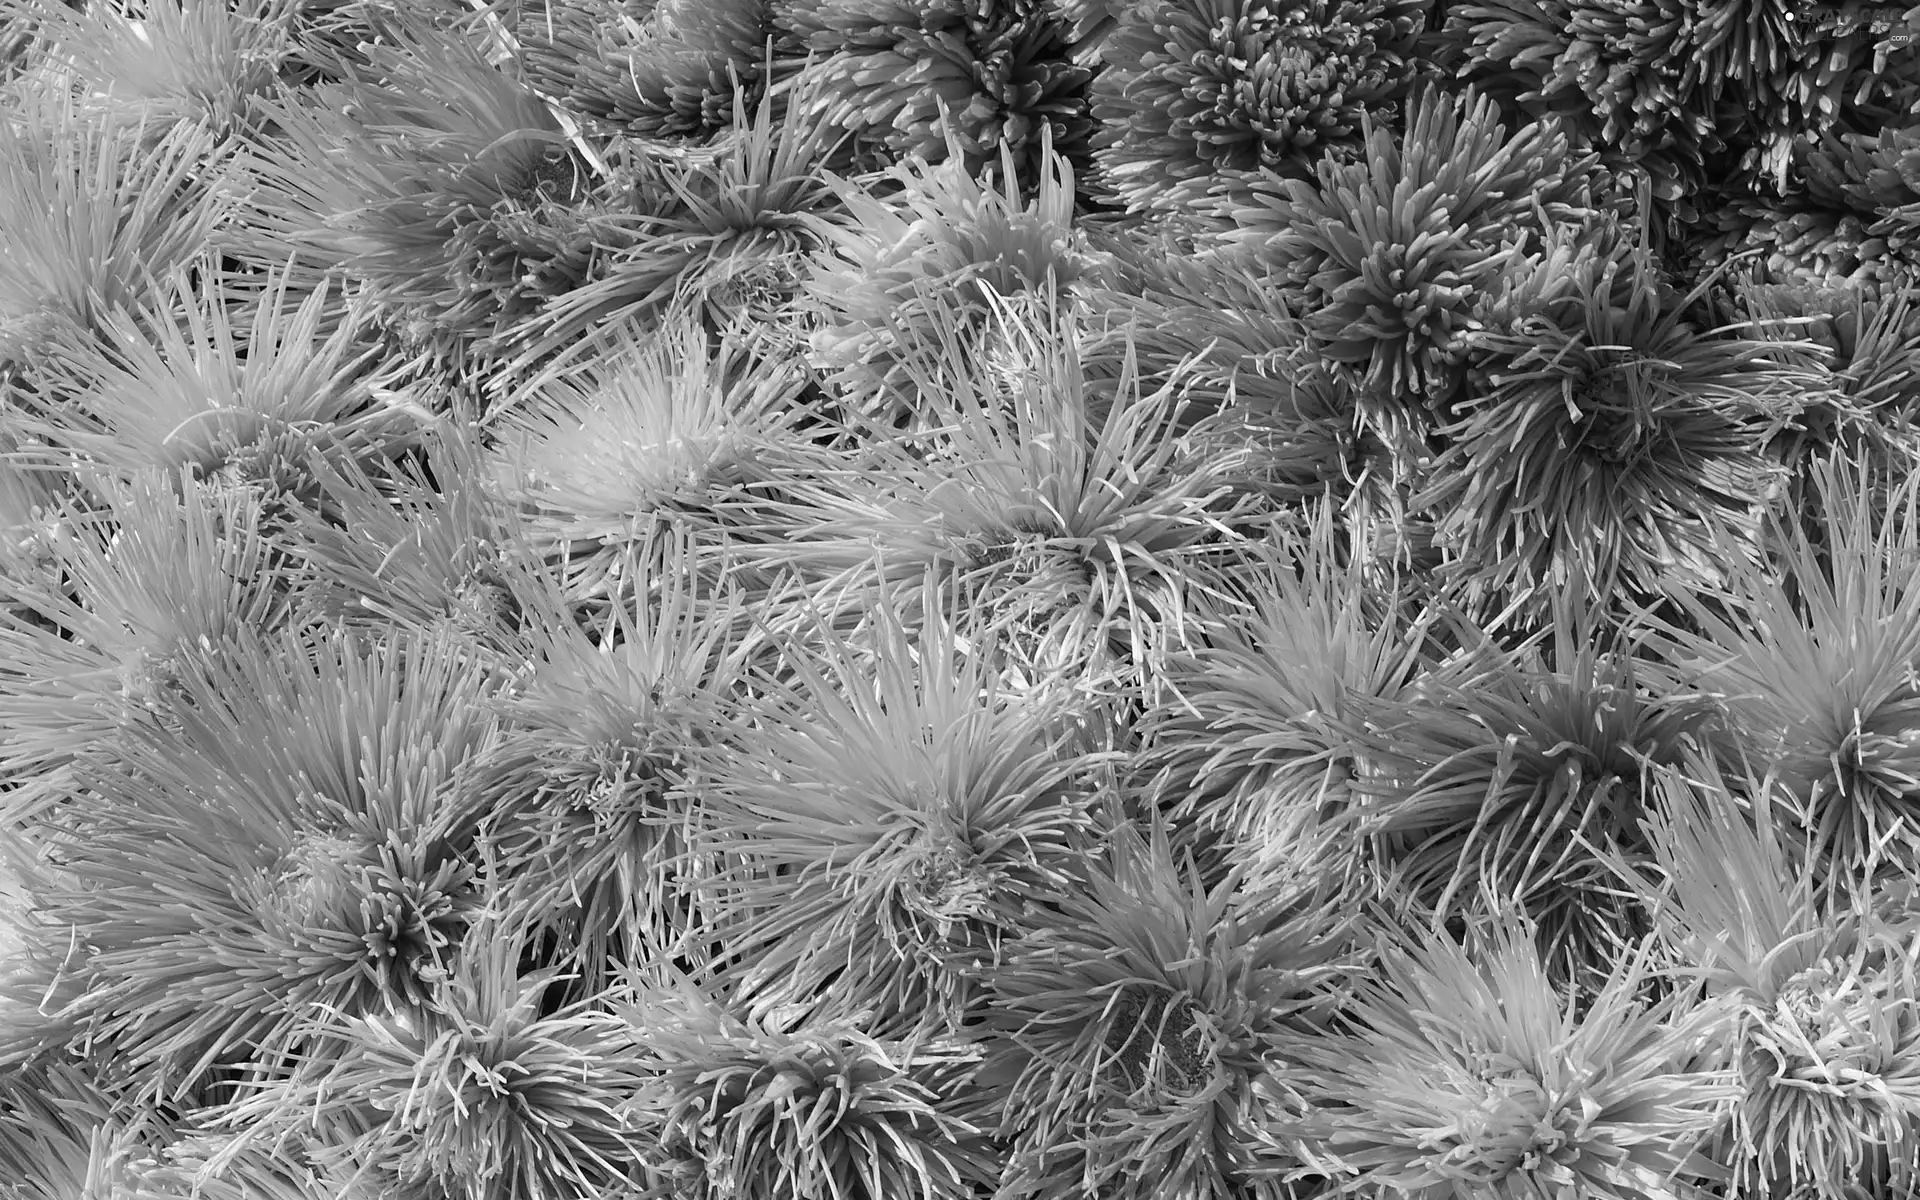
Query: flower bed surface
1020, 600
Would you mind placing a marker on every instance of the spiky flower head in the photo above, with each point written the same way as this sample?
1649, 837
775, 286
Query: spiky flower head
1192, 90
920, 230
423, 544
442, 182
885, 821
174, 61
1210, 320
211, 374
977, 79
1461, 1070
1820, 1004
489, 1091
1819, 664
92, 212
280, 842
1255, 739
1089, 530
584, 800
1511, 773
1602, 435
1637, 86
1137, 1026
662, 432
1386, 257
668, 68
143, 577
757, 1108
723, 229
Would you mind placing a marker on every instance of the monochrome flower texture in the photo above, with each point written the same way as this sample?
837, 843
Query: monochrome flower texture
1513, 773
91, 212
1818, 1001
1387, 257
492, 1090
1132, 1035
1641, 88
1460, 1070
883, 822
584, 801
214, 370
1817, 662
282, 844
665, 431
977, 78
668, 68
919, 231
439, 182
1602, 435
1083, 533
197, 61
1258, 740
739, 1107
1191, 90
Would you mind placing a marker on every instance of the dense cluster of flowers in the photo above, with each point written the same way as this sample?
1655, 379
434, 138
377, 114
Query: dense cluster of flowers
959, 600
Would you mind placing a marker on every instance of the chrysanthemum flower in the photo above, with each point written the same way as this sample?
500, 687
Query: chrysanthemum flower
1088, 532
440, 183
281, 842
1602, 435
883, 822
134, 591
674, 69
929, 77
213, 374
179, 60
1463, 1070
1820, 1019
584, 800
1255, 739
934, 230
669, 431
423, 546
1386, 257
1819, 667
488, 1092
757, 1108
724, 229
1641, 87
1194, 89
91, 212
1213, 319
1139, 1021
1507, 773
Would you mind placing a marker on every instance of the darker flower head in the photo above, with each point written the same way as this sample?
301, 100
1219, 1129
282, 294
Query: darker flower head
1140, 1026
1516, 778
1602, 435
737, 1106
1387, 256
671, 70
1632, 83
1193, 88
442, 182
994, 72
